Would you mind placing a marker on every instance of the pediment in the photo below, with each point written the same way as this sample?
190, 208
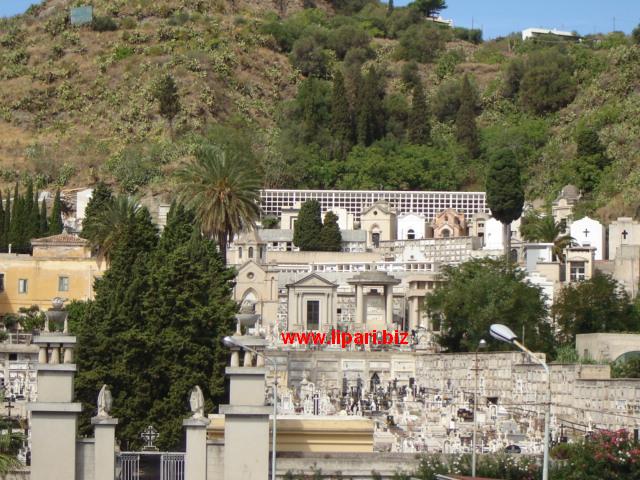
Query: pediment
313, 280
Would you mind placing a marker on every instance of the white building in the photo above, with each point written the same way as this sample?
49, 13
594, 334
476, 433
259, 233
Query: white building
588, 232
623, 231
411, 226
273, 202
528, 33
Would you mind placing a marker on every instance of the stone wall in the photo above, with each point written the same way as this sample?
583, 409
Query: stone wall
85, 450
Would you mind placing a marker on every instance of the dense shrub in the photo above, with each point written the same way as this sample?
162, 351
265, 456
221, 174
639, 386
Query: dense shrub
446, 102
421, 43
310, 57
347, 37
547, 83
473, 35
103, 24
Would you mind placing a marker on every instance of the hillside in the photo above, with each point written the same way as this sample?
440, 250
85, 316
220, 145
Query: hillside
78, 104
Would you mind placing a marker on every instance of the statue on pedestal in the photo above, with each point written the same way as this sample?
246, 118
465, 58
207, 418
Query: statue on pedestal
196, 401
105, 401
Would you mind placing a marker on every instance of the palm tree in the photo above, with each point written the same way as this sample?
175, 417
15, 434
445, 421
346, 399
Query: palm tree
110, 224
223, 191
546, 229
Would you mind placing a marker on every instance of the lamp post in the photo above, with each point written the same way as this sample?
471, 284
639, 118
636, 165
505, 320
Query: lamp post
504, 334
233, 342
481, 345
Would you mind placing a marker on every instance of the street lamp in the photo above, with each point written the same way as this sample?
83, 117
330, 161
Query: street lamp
504, 334
233, 342
481, 345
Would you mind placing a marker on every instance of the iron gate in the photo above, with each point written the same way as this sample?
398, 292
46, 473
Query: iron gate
150, 466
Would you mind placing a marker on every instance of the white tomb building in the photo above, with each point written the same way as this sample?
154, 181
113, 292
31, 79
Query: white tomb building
588, 232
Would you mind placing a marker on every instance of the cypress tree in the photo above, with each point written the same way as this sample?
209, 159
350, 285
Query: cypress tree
505, 195
3, 238
371, 115
341, 119
419, 126
44, 225
330, 236
7, 220
306, 230
166, 92
19, 223
32, 213
390, 7
55, 223
466, 128
100, 198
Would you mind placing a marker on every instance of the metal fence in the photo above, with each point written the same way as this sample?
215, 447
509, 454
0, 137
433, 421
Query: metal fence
150, 466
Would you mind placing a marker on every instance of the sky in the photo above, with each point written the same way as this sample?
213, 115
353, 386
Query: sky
500, 17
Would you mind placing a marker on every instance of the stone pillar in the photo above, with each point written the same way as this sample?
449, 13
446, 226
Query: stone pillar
388, 304
195, 460
104, 429
359, 304
246, 424
54, 415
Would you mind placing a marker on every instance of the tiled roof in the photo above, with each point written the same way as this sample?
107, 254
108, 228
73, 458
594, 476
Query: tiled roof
63, 239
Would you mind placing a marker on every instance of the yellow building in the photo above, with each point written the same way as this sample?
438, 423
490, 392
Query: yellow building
312, 434
60, 266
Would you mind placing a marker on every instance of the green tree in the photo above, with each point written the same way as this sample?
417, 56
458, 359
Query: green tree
187, 310
429, 8
101, 199
505, 195
330, 236
419, 127
44, 224
512, 78
110, 223
591, 158
466, 128
115, 344
635, 35
223, 191
165, 91
421, 42
629, 368
55, 222
481, 292
545, 229
20, 227
547, 84
341, 118
599, 304
3, 233
310, 57
6, 226
32, 211
389, 7
308, 227
370, 110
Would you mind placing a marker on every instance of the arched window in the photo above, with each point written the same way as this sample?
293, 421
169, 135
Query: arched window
240, 252
411, 235
250, 252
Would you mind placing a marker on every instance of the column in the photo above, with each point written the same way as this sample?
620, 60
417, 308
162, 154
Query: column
195, 459
359, 304
104, 429
388, 303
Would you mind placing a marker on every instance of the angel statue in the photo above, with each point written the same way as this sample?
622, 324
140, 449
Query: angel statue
196, 400
105, 400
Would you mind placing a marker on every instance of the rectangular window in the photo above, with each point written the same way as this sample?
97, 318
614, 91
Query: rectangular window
23, 285
313, 314
1, 282
577, 271
63, 284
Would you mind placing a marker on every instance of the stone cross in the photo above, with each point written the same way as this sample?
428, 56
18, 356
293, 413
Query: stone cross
624, 234
586, 232
150, 435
